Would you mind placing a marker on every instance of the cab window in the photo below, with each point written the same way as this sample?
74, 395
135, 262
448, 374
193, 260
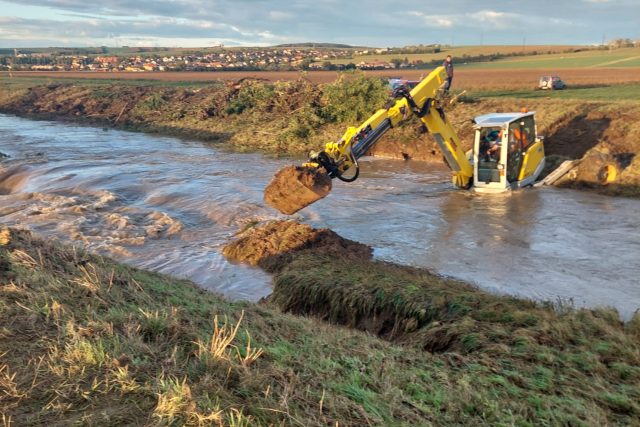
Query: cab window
522, 132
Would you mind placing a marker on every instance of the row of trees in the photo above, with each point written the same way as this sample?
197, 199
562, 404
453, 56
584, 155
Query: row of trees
619, 43
412, 50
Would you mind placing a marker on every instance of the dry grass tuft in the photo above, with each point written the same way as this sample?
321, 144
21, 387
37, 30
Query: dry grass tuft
219, 342
22, 258
219, 345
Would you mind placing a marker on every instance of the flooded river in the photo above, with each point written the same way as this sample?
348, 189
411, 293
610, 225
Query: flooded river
169, 205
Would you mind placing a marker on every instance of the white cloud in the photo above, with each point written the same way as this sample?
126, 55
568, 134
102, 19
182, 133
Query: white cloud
367, 22
487, 19
278, 15
436, 21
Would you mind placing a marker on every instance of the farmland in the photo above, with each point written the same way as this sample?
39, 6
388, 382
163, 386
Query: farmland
618, 58
475, 79
458, 52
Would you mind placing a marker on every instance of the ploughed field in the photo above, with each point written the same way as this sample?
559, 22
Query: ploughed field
470, 79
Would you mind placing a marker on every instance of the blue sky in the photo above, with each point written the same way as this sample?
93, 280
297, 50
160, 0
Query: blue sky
41, 23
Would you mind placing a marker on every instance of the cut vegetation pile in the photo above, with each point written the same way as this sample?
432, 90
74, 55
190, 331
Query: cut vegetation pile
285, 117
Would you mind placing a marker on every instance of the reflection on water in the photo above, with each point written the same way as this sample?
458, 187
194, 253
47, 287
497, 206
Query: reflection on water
169, 205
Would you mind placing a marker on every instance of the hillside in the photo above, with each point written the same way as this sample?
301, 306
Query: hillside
616, 58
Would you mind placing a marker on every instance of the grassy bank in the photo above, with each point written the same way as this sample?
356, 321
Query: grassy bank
88, 341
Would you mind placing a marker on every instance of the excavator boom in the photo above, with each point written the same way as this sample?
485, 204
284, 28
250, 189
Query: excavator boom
290, 191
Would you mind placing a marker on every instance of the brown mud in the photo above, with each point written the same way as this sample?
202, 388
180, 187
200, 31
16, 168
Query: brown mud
274, 244
295, 187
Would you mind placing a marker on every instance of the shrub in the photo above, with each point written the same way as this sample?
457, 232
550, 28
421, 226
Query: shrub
252, 95
354, 99
153, 102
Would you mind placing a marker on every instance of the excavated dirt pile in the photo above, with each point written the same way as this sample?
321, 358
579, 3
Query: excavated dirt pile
295, 187
273, 244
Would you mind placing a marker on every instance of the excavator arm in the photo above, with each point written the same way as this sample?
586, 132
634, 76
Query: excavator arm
340, 159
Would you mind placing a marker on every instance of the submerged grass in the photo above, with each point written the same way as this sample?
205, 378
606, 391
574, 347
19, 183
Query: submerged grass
85, 340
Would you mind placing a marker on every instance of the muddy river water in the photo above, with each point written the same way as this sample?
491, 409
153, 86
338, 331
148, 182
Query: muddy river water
169, 205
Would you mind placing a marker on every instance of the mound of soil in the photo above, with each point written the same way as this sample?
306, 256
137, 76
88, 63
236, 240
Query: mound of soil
273, 244
296, 187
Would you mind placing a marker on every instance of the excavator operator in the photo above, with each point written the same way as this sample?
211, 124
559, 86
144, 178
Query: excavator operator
490, 145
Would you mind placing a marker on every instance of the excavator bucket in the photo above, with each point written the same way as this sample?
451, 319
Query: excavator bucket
295, 187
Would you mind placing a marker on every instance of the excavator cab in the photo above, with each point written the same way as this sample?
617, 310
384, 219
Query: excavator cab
507, 152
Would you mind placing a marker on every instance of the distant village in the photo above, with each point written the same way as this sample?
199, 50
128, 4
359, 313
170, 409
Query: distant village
221, 59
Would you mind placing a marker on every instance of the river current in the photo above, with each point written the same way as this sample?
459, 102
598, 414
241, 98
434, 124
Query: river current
169, 205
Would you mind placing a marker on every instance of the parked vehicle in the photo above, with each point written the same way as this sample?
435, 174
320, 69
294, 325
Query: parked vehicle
551, 82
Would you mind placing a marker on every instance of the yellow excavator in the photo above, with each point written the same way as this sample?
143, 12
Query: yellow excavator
507, 152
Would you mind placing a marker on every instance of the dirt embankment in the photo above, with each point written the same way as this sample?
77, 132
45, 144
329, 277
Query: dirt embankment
598, 134
319, 273
248, 114
274, 244
297, 117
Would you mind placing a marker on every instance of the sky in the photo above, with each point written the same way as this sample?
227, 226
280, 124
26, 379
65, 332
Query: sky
198, 23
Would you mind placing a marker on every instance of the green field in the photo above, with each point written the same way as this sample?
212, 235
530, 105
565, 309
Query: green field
457, 52
626, 57
534, 57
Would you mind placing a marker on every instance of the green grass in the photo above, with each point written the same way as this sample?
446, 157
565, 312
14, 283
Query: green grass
88, 341
622, 92
514, 354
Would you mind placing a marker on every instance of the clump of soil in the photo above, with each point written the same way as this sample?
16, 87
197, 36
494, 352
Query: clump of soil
296, 187
274, 244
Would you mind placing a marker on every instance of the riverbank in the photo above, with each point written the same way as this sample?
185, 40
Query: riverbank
292, 118
87, 339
